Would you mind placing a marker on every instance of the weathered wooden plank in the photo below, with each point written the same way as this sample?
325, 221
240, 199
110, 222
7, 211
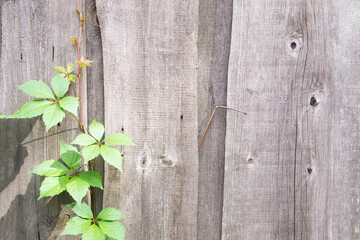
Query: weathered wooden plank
327, 150
34, 37
95, 83
260, 147
150, 82
213, 56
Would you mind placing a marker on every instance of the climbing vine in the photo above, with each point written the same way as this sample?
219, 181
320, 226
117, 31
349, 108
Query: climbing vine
52, 104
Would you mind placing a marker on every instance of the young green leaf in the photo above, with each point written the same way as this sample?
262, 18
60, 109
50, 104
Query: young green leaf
92, 178
90, 152
71, 78
84, 62
60, 69
82, 209
113, 229
65, 147
118, 139
60, 85
73, 39
77, 188
93, 233
50, 168
32, 109
72, 159
112, 156
70, 67
53, 115
110, 214
84, 140
53, 186
70, 104
37, 89
97, 130
76, 225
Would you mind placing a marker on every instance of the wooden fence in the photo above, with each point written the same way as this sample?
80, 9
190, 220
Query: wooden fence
290, 169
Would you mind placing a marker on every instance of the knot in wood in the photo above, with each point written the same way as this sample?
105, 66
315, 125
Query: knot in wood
166, 160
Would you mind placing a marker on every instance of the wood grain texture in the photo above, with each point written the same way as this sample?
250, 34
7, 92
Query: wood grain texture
213, 54
327, 152
34, 37
260, 147
95, 83
150, 82
291, 167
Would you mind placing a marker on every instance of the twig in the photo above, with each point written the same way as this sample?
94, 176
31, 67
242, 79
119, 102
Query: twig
212, 115
230, 108
79, 68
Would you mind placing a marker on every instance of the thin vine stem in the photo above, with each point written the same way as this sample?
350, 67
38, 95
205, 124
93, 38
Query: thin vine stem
211, 117
79, 68
77, 94
81, 124
75, 118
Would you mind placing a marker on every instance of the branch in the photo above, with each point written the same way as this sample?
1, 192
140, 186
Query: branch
212, 115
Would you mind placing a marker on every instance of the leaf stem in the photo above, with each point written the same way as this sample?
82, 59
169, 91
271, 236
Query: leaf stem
211, 117
92, 190
77, 94
75, 118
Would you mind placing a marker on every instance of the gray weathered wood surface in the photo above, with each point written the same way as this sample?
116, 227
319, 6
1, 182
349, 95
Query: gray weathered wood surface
287, 170
213, 54
260, 148
292, 164
327, 199
150, 60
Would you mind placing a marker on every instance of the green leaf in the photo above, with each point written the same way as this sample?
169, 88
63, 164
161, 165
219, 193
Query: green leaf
110, 214
37, 89
70, 67
92, 178
65, 147
84, 140
72, 78
82, 209
60, 69
76, 225
119, 139
90, 152
32, 109
113, 229
50, 168
72, 159
97, 130
53, 185
112, 156
93, 233
53, 115
77, 188
70, 104
110, 238
60, 85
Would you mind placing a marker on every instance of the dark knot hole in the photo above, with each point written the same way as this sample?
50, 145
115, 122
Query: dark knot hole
313, 101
